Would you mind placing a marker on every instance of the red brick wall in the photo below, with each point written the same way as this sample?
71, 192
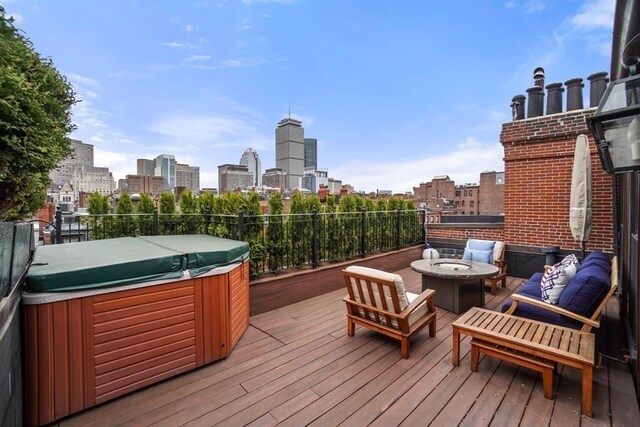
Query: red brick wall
538, 155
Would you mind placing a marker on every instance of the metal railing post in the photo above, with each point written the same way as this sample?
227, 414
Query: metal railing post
207, 220
155, 221
241, 223
314, 238
398, 228
423, 224
363, 231
58, 226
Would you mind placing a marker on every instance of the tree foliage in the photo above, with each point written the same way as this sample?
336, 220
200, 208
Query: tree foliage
98, 204
35, 121
146, 209
167, 203
188, 203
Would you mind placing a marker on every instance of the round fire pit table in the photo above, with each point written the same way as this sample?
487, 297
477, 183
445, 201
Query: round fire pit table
458, 284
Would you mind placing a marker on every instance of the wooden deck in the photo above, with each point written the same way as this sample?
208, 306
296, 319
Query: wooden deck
296, 366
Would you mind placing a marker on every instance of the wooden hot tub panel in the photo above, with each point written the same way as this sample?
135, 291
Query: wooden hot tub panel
85, 351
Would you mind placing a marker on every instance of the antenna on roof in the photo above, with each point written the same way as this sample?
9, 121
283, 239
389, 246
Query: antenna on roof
289, 112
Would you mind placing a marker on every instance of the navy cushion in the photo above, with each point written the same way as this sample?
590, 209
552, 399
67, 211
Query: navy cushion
600, 259
532, 287
536, 313
585, 291
478, 255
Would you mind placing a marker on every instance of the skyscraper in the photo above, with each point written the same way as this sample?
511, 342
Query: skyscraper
82, 156
188, 177
311, 153
290, 150
166, 168
251, 160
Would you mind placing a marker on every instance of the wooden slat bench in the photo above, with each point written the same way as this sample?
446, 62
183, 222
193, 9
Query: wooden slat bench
524, 342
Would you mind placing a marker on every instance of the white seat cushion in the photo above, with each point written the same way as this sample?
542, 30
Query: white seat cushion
372, 274
419, 312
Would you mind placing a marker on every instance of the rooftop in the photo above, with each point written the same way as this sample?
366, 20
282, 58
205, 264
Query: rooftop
296, 366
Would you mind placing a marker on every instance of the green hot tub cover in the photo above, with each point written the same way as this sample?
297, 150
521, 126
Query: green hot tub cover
128, 260
203, 252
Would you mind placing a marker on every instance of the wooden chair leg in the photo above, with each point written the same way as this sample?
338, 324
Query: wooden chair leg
404, 347
350, 327
432, 328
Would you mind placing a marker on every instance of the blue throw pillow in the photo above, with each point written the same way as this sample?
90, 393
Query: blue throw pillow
478, 255
483, 245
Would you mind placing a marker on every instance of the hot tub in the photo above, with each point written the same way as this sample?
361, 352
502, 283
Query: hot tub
104, 318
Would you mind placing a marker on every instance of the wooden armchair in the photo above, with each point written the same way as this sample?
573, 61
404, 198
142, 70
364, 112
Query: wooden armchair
499, 261
378, 301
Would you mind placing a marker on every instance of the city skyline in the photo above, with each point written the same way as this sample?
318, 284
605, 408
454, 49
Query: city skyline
394, 98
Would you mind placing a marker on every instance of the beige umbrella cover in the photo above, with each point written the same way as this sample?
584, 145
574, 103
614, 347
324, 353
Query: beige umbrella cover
580, 204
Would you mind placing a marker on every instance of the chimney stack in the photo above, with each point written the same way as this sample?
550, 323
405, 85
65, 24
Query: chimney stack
536, 101
517, 107
554, 98
574, 94
599, 83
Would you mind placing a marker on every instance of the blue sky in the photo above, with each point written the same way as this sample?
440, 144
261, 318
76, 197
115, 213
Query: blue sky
396, 92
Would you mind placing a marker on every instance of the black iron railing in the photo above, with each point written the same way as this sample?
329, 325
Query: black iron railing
278, 242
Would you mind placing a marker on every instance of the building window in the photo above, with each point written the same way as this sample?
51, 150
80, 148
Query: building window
462, 212
470, 192
465, 193
471, 213
471, 204
463, 206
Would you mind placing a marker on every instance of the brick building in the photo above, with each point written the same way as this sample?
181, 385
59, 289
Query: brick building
466, 200
140, 184
491, 193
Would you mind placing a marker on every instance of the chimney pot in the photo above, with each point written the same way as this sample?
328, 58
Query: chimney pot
536, 102
599, 83
517, 107
574, 94
538, 77
554, 98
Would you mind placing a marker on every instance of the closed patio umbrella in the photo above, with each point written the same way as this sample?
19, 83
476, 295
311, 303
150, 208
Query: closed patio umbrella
580, 203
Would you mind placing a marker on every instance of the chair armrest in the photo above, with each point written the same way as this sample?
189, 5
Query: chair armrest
427, 295
521, 298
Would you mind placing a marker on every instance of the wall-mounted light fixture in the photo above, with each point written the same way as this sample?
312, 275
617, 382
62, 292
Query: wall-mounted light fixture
616, 126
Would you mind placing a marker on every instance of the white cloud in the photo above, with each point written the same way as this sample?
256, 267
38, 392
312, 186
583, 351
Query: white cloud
594, 14
462, 165
198, 58
190, 28
120, 163
246, 24
510, 5
83, 81
533, 6
178, 45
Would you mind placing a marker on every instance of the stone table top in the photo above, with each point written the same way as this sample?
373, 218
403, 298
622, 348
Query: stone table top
454, 268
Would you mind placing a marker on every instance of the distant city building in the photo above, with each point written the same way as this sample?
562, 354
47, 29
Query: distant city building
251, 160
466, 199
275, 178
313, 179
82, 155
122, 186
188, 177
91, 179
311, 153
440, 187
165, 166
290, 150
334, 185
231, 177
491, 196
211, 190
139, 184
146, 167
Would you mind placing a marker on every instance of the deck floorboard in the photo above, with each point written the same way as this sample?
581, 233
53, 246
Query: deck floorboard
296, 366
